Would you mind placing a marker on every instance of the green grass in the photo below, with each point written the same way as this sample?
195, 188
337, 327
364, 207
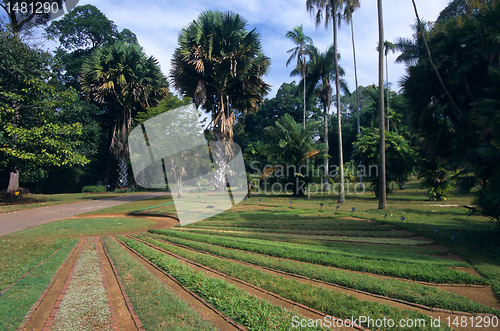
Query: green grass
17, 300
18, 255
332, 303
392, 288
133, 206
245, 309
156, 305
43, 200
82, 227
434, 270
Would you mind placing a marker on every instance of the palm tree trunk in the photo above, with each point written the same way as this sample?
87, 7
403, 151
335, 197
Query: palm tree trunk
219, 149
382, 202
339, 121
304, 78
122, 172
325, 119
355, 76
448, 94
387, 86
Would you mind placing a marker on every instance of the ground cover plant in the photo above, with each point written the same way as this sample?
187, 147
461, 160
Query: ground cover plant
429, 271
332, 303
156, 305
245, 309
392, 288
18, 299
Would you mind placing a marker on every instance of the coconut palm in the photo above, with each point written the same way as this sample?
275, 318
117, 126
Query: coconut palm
382, 197
220, 64
301, 52
350, 7
125, 80
330, 10
320, 75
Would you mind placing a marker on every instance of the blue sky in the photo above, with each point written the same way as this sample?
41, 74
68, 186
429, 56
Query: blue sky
157, 23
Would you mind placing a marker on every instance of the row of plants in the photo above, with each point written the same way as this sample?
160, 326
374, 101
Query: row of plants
154, 303
94, 189
332, 303
17, 300
13, 194
321, 240
392, 288
245, 309
426, 272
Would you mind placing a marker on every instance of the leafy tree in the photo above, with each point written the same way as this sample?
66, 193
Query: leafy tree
125, 80
291, 149
169, 103
220, 64
20, 19
79, 33
401, 157
301, 52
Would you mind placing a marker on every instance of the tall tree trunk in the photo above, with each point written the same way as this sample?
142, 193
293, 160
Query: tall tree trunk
122, 172
387, 85
355, 76
13, 181
382, 202
438, 75
339, 120
304, 79
325, 119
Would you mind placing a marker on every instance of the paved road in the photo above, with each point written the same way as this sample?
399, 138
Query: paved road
16, 221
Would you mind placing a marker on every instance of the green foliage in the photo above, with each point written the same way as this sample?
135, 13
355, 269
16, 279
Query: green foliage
93, 189
291, 146
13, 194
124, 190
172, 101
437, 178
400, 156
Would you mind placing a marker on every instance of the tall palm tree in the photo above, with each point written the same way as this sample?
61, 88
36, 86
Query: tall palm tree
220, 64
303, 49
125, 80
320, 75
388, 47
350, 7
382, 197
330, 10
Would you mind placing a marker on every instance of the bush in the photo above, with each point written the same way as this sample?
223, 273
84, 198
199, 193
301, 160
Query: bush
13, 194
94, 189
124, 190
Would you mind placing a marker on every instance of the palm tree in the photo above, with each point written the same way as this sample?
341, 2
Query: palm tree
350, 7
303, 49
320, 74
125, 80
331, 10
388, 46
219, 64
382, 197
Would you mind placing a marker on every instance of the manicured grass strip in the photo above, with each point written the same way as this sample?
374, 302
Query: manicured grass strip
425, 272
18, 255
16, 301
359, 251
331, 303
156, 305
304, 238
391, 288
245, 309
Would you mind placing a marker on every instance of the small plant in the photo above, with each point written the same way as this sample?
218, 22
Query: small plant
94, 189
437, 179
124, 190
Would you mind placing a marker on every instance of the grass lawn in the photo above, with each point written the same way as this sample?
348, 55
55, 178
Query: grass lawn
301, 237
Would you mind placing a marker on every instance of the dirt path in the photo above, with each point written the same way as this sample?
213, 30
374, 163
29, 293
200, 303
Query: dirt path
45, 314
17, 221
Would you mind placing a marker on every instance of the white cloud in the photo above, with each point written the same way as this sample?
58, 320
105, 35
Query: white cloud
157, 24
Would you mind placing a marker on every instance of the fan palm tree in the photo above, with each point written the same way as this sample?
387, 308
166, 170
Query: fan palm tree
220, 64
125, 80
320, 75
303, 49
330, 10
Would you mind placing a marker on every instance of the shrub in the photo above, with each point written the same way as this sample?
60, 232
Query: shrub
13, 194
94, 189
124, 190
